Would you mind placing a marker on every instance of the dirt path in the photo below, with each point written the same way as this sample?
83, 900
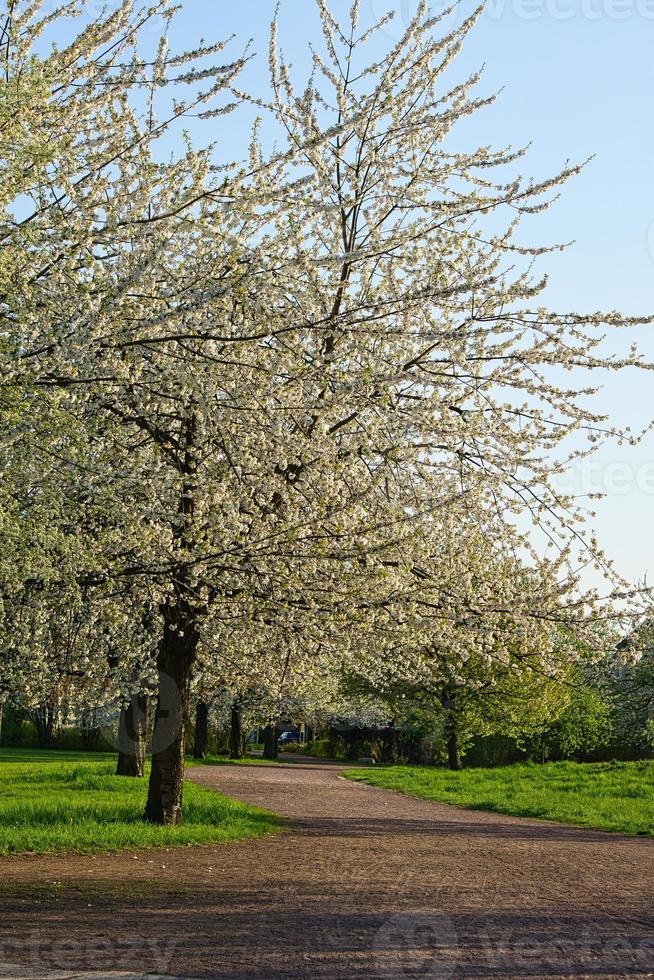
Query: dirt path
363, 884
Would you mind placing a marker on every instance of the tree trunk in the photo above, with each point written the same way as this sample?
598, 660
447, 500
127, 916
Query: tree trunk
132, 737
236, 733
201, 730
448, 701
453, 754
45, 720
174, 666
90, 731
177, 652
270, 747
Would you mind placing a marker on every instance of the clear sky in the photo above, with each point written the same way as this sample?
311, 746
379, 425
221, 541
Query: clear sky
577, 79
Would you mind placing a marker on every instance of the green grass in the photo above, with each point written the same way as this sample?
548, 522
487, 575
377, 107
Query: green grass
616, 796
68, 801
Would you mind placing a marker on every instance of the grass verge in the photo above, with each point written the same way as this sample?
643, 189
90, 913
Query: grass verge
615, 796
52, 802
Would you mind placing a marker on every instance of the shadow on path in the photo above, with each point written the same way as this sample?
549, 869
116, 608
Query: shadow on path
363, 884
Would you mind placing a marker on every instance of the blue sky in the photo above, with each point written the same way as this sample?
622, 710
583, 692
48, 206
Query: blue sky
577, 79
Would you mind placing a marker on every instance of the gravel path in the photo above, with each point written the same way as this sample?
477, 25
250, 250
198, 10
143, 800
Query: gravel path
363, 884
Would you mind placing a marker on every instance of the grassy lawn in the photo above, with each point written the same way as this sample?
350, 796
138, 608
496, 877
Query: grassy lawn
68, 801
617, 796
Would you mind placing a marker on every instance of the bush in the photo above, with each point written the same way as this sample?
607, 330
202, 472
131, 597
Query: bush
17, 729
325, 747
373, 749
321, 748
490, 751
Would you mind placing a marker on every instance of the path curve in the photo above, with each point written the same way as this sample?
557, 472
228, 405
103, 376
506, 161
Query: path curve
369, 884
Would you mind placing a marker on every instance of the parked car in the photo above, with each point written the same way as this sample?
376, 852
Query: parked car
287, 737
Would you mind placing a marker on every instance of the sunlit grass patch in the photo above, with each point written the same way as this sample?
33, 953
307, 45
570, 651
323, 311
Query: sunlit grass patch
61, 801
616, 796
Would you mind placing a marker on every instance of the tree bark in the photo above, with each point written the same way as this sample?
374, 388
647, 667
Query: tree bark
176, 655
45, 719
132, 737
270, 747
201, 730
174, 665
448, 701
236, 733
90, 730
